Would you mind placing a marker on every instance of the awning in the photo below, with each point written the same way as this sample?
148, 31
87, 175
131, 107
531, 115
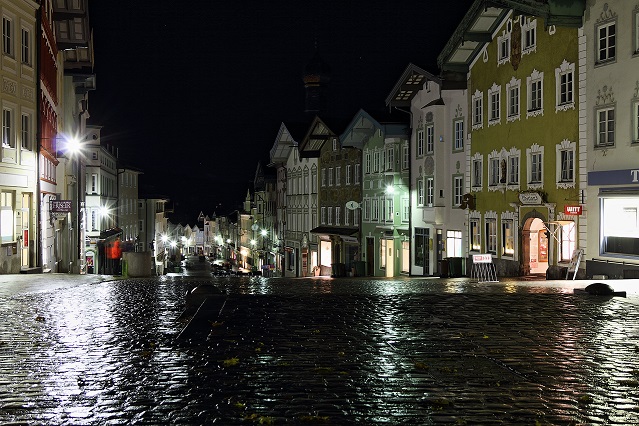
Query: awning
333, 230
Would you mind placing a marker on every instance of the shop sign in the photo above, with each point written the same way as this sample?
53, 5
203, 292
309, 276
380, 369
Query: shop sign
530, 198
614, 177
61, 206
573, 210
483, 258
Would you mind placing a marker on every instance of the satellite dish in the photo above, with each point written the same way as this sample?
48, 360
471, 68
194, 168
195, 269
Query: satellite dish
352, 205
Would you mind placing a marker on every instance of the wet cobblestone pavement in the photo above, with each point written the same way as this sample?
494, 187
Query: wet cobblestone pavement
318, 351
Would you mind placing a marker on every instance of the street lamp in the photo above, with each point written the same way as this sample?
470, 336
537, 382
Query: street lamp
73, 147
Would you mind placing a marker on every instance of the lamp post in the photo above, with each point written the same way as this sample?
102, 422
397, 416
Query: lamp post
74, 148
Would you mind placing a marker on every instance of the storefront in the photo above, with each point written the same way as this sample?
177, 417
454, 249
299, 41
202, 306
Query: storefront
613, 224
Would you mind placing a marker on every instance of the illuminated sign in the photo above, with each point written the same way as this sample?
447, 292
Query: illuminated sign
614, 177
573, 210
483, 258
61, 206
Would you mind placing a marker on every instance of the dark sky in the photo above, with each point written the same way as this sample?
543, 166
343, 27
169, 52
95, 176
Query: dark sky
193, 92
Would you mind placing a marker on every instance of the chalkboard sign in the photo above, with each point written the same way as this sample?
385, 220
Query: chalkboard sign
574, 263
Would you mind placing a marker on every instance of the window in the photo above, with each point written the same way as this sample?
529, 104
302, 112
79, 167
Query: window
564, 76
366, 209
7, 36
374, 209
606, 126
430, 139
25, 132
453, 243
329, 215
338, 214
606, 42
348, 174
535, 93
405, 210
26, 47
494, 171
94, 184
458, 188
503, 46
636, 41
390, 159
529, 36
355, 218
507, 238
334, 144
459, 135
494, 98
323, 177
405, 157
635, 118
382, 253
512, 93
330, 176
478, 112
567, 166
367, 164
491, 236
430, 191
475, 235
420, 192
314, 180
347, 217
420, 142
323, 215
565, 154
357, 173
390, 210
7, 128
338, 176
6, 216
620, 219
376, 161
477, 172
513, 170
535, 156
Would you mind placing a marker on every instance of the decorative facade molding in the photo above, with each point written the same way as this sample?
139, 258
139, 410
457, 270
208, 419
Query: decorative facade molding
606, 14
605, 96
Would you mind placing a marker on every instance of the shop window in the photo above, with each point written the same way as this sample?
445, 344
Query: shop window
491, 236
453, 243
475, 235
620, 219
507, 238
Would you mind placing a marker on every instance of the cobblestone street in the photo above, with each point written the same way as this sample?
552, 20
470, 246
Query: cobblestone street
320, 351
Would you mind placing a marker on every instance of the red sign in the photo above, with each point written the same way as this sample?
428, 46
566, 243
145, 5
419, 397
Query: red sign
25, 238
573, 210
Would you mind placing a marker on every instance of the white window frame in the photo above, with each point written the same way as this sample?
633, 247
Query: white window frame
7, 36
348, 174
507, 237
405, 156
330, 176
374, 209
458, 190
458, 131
367, 209
503, 46
419, 152
566, 154
430, 138
25, 46
636, 32
513, 169
376, 161
605, 121
367, 162
490, 224
420, 192
513, 87
477, 171
390, 159
528, 36
405, 210
26, 131
324, 172
535, 156
477, 103
635, 121
8, 137
390, 209
314, 179
357, 173
338, 175
494, 171
7, 216
474, 232
430, 191
329, 215
565, 86
494, 105
338, 214
606, 43
323, 215
535, 84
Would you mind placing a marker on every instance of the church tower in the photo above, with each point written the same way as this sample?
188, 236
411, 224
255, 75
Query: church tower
316, 78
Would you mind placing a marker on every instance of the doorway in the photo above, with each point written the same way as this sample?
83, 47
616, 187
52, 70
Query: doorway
370, 256
390, 262
535, 247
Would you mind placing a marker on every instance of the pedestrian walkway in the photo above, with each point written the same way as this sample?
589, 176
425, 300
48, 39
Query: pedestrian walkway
33, 283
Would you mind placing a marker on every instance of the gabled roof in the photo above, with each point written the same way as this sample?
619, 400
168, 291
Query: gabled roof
484, 17
359, 130
410, 82
318, 133
288, 136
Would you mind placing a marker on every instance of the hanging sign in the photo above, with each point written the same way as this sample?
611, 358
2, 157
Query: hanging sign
61, 206
573, 210
483, 258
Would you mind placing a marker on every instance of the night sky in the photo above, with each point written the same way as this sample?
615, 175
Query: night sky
193, 93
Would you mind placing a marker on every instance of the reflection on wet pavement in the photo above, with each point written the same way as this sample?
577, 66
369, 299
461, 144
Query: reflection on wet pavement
320, 351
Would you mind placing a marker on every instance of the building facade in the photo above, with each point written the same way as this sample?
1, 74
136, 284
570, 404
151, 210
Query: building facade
19, 222
609, 102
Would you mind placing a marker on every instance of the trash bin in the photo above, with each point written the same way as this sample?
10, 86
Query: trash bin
443, 266
360, 268
455, 267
